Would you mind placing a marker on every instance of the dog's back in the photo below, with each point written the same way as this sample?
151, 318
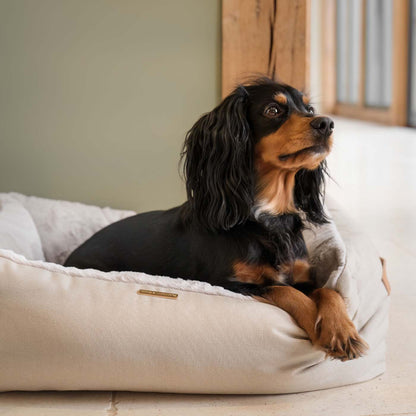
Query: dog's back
159, 243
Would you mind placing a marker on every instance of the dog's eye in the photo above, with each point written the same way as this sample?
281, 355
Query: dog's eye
310, 109
272, 111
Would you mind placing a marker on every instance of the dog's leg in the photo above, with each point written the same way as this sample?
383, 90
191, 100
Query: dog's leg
335, 332
302, 308
324, 318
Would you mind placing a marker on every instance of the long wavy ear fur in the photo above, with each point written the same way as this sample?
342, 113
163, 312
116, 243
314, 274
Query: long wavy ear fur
218, 165
309, 193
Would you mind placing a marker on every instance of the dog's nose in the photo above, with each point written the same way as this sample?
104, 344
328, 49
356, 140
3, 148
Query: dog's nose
324, 125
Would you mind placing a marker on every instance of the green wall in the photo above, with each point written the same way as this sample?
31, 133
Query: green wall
96, 96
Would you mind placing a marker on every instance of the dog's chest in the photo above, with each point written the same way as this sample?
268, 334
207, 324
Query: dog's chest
281, 241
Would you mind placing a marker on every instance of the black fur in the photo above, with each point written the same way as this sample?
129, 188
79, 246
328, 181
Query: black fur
309, 193
215, 227
218, 165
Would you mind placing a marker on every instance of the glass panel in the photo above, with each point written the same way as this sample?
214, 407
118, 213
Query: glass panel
342, 51
379, 39
348, 50
412, 78
355, 17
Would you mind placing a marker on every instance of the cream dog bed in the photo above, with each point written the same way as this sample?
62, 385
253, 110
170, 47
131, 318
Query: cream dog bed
69, 329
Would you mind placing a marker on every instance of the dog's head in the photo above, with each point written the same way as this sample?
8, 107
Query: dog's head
263, 148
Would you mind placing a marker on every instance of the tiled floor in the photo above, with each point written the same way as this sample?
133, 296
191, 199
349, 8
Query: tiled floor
375, 168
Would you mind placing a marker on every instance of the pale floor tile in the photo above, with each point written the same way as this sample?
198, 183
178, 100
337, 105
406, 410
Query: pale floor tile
47, 411
375, 168
55, 402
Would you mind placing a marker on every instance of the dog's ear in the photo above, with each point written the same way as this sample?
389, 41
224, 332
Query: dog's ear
218, 165
309, 193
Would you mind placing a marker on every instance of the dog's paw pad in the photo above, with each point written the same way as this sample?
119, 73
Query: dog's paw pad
339, 338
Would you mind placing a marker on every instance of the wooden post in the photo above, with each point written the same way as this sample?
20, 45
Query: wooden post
400, 59
265, 37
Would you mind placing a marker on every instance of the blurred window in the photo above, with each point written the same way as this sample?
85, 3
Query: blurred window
378, 56
349, 15
378, 51
367, 72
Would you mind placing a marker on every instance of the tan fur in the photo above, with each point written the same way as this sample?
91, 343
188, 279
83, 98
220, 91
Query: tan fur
275, 190
255, 273
275, 177
305, 99
299, 306
294, 135
324, 318
280, 98
299, 271
334, 330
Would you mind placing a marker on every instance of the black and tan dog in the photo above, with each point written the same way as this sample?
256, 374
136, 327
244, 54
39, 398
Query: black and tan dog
254, 169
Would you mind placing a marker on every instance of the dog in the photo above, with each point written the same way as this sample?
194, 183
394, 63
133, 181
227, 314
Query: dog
254, 168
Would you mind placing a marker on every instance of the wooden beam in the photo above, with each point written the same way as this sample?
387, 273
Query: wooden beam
292, 42
400, 62
375, 114
265, 37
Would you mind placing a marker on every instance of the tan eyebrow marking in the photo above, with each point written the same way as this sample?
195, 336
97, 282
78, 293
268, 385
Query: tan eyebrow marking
280, 98
305, 99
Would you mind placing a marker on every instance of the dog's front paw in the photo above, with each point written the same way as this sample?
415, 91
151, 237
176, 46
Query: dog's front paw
338, 337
